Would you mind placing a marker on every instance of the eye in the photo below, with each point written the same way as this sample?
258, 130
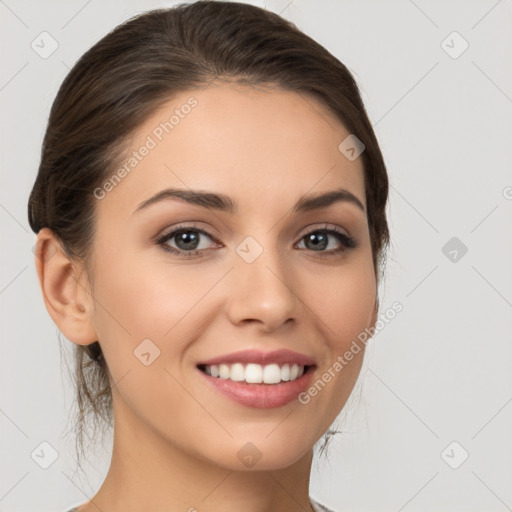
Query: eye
319, 240
188, 240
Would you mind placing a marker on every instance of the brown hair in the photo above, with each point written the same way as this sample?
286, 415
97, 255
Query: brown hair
127, 75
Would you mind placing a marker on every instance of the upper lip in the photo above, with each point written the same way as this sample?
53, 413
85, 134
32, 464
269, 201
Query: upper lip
281, 356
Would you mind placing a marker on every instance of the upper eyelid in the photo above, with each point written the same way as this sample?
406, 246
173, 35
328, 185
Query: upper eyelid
184, 227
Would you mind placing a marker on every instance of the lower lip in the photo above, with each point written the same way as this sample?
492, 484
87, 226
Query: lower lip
261, 396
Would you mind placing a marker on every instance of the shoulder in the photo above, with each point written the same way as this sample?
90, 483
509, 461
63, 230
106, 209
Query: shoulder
318, 506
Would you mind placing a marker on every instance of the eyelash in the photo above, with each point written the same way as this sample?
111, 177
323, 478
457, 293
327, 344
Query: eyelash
347, 241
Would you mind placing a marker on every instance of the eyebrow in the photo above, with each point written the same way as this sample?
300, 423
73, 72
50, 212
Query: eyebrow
225, 203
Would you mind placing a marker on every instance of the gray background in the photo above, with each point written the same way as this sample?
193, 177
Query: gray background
439, 372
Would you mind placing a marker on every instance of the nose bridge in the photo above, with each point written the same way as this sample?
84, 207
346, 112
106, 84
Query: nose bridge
262, 282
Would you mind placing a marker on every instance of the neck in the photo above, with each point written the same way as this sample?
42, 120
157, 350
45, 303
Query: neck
148, 472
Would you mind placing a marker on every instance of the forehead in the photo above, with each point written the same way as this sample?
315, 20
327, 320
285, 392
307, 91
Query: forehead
234, 139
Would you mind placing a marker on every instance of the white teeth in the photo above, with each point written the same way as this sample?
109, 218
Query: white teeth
237, 372
285, 372
255, 373
271, 374
224, 371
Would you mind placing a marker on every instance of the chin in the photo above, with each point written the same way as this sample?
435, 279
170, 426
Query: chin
261, 453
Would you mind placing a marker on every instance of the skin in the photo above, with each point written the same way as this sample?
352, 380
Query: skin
176, 439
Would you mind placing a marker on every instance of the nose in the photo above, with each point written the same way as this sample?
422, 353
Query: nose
263, 292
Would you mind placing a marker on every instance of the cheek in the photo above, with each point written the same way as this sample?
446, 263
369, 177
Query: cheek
344, 303
138, 299
344, 309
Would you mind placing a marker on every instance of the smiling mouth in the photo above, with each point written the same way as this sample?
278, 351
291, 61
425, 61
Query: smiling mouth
252, 373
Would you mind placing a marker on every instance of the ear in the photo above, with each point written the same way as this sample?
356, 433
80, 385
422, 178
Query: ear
65, 288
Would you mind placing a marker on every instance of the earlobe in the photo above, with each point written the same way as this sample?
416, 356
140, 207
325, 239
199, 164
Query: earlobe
65, 290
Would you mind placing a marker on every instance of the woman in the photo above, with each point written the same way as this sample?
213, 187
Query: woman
210, 211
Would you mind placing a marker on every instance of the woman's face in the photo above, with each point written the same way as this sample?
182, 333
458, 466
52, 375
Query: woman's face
256, 278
